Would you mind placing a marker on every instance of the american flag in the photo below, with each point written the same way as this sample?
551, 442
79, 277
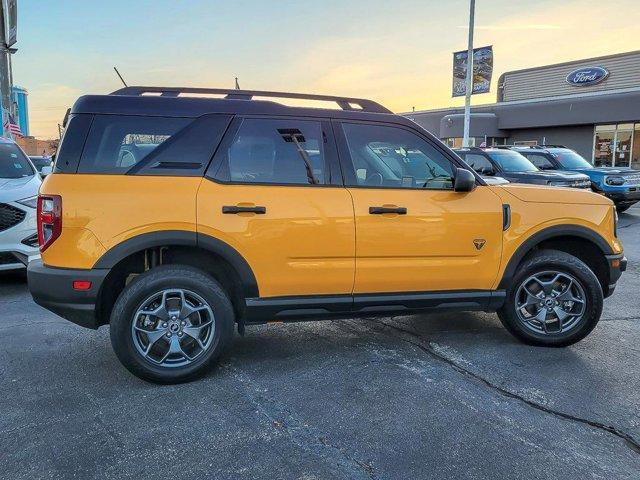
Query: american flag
12, 127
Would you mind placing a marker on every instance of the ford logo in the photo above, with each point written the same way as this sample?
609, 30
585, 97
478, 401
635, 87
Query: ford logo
584, 77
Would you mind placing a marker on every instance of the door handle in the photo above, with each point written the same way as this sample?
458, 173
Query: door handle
235, 209
381, 210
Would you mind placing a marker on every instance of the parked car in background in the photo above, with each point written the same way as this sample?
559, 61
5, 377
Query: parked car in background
19, 184
40, 161
620, 184
510, 165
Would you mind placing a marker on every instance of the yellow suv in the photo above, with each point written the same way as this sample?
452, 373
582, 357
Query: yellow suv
176, 214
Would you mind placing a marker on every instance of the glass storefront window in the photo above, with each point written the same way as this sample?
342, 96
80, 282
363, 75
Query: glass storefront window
622, 151
635, 148
617, 145
603, 145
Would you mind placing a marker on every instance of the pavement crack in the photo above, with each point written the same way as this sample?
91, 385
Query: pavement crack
628, 225
305, 436
628, 439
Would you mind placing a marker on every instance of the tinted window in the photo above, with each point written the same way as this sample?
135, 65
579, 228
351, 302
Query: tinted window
385, 156
540, 161
70, 149
570, 159
118, 142
511, 161
13, 163
40, 162
479, 163
276, 151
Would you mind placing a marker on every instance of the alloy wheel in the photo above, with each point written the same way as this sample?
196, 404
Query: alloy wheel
173, 327
550, 302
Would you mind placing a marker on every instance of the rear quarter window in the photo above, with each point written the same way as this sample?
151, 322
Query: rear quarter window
127, 144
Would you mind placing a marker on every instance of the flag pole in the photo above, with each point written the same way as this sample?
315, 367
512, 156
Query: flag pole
469, 79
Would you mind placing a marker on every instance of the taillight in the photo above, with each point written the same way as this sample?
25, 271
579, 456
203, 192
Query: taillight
49, 219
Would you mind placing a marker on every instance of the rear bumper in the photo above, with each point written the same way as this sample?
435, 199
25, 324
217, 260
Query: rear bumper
52, 288
617, 265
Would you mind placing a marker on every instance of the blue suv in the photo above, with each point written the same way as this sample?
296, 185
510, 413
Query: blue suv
620, 184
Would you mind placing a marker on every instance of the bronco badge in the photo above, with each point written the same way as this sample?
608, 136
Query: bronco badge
479, 243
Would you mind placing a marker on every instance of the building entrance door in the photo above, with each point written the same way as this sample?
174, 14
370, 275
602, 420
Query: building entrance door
603, 145
612, 145
622, 145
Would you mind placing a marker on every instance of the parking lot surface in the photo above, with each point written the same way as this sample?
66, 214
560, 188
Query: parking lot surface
425, 396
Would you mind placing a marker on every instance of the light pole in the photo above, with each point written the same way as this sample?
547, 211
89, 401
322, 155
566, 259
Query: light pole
469, 79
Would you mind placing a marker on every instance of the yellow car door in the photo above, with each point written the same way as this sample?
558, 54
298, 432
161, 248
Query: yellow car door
414, 232
274, 193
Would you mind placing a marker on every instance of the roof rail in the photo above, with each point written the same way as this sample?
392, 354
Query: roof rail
471, 149
345, 103
546, 145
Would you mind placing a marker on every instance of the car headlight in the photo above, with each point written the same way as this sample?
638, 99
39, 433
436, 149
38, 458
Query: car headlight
31, 202
614, 180
559, 184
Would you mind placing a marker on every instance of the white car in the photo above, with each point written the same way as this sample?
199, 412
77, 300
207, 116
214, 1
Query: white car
19, 184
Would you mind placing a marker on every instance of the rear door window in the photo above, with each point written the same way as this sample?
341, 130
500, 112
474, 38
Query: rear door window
274, 151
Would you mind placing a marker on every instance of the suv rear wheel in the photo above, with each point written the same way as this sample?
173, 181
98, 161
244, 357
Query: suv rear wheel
554, 300
171, 323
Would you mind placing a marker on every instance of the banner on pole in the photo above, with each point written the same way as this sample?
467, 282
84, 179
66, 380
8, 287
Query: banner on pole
482, 71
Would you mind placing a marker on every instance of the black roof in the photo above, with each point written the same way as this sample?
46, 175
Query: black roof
165, 101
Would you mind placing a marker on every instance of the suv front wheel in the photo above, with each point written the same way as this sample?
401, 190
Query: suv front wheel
171, 323
554, 300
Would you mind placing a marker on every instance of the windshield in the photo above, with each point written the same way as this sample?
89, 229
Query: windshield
569, 159
13, 163
511, 161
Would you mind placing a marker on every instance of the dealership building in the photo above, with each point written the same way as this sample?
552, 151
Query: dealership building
591, 106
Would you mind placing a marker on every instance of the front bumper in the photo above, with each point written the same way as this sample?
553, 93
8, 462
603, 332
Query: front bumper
52, 288
628, 196
19, 243
617, 264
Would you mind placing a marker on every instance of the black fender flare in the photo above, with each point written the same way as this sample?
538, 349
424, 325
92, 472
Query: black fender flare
547, 234
183, 238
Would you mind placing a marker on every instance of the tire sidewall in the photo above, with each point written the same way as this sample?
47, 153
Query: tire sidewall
156, 280
564, 263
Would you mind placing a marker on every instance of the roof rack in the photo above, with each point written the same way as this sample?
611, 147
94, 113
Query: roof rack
472, 149
345, 103
535, 147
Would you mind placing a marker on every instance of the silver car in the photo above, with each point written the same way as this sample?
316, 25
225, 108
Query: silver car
19, 184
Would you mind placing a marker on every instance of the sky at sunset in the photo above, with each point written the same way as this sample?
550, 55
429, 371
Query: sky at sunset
396, 52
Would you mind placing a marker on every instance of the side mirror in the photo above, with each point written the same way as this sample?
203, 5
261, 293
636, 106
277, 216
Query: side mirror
46, 170
464, 180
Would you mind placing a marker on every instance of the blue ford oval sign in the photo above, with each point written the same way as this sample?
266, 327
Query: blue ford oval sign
583, 77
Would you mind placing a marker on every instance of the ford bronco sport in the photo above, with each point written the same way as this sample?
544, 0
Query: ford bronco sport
516, 168
175, 218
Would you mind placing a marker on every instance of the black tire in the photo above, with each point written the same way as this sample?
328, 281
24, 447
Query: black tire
157, 280
542, 261
622, 208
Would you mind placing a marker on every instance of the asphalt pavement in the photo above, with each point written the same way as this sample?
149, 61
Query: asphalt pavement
411, 397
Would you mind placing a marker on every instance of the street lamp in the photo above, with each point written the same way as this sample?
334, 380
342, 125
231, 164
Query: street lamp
469, 79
